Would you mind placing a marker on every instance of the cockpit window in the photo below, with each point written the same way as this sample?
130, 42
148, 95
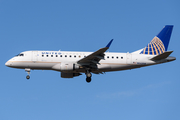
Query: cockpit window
20, 54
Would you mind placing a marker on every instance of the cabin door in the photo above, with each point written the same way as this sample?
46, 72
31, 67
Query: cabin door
34, 56
129, 58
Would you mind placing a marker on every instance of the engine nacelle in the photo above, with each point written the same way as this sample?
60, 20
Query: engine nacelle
69, 75
66, 67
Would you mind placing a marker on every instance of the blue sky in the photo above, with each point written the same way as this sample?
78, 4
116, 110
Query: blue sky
146, 93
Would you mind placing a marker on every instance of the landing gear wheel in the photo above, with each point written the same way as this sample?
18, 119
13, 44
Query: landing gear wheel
28, 77
88, 79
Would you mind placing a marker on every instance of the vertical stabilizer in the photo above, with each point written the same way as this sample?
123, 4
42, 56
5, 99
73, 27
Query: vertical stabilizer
159, 43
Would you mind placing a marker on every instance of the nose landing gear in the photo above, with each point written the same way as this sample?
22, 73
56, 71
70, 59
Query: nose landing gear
28, 77
28, 71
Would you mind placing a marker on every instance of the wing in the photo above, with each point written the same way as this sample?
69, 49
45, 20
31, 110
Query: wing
93, 59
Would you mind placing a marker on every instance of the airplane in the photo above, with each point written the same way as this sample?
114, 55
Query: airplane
72, 64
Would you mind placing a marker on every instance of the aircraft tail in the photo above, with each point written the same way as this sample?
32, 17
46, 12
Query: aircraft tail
159, 44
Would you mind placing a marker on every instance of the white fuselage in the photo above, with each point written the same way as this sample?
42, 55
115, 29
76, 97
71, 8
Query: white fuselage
72, 64
50, 60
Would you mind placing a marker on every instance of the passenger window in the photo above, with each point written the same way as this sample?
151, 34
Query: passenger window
121, 57
75, 56
60, 55
117, 57
51, 55
42, 55
46, 55
56, 55
70, 56
65, 55
107, 56
112, 57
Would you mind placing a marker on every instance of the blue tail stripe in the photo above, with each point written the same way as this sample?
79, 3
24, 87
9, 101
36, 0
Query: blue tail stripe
165, 35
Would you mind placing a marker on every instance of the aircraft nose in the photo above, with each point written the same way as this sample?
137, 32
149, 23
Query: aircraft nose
7, 63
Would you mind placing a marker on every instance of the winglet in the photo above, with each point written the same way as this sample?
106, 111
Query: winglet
108, 45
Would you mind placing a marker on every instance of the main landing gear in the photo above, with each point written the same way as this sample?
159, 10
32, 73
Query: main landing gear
88, 77
28, 71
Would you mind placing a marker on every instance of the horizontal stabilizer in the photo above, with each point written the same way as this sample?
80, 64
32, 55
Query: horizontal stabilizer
162, 56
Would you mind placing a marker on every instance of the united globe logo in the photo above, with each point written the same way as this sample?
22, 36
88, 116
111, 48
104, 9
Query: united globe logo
155, 47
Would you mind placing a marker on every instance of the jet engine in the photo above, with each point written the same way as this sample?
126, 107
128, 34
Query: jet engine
66, 67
